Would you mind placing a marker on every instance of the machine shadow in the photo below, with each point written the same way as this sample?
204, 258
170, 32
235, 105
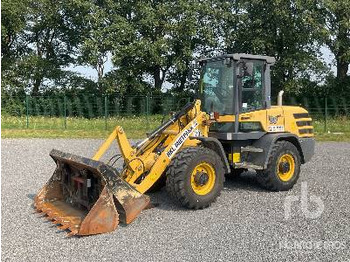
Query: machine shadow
244, 182
162, 200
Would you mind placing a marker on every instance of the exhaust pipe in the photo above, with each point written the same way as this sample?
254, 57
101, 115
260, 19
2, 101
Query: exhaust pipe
279, 98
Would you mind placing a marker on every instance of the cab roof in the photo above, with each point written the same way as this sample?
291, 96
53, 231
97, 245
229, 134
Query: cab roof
239, 56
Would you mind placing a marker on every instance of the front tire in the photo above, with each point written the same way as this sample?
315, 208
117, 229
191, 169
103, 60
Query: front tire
283, 167
195, 177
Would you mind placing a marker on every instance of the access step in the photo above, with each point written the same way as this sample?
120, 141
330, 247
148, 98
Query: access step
251, 149
248, 165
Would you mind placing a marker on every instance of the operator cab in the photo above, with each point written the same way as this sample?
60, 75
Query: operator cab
234, 84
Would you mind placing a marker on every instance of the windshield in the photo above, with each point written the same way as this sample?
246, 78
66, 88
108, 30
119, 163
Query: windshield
217, 87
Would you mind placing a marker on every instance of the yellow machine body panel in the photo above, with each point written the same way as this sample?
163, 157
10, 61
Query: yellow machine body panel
277, 119
298, 121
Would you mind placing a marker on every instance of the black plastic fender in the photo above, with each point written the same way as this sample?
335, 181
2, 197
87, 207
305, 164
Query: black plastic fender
305, 146
215, 145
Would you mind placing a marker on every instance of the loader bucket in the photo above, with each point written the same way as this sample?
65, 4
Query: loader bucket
88, 197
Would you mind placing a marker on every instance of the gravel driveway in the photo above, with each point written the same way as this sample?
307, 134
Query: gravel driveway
246, 223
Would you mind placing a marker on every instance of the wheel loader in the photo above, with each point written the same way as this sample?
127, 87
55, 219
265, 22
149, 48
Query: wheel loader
230, 128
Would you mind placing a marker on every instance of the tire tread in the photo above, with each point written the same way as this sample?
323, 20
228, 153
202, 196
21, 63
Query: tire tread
176, 175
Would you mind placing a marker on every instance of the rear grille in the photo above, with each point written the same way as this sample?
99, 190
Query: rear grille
301, 115
304, 123
306, 131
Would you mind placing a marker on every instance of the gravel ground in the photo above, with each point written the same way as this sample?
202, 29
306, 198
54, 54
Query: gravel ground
246, 223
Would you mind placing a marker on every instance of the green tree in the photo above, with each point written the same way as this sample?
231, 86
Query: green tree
335, 32
13, 45
165, 37
38, 41
283, 29
104, 30
195, 32
152, 42
52, 42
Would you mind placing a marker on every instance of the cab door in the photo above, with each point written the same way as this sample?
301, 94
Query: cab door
252, 96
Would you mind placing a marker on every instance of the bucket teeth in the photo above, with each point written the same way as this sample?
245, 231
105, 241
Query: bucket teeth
62, 221
87, 210
39, 213
63, 227
52, 215
72, 233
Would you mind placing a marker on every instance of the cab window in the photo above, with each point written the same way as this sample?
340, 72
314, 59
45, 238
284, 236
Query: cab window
217, 87
252, 86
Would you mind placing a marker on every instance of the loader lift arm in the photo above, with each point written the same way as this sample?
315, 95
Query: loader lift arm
88, 196
146, 161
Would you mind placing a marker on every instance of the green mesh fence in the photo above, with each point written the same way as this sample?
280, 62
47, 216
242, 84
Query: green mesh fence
59, 108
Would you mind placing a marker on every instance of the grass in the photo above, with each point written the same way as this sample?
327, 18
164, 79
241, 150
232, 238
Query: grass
53, 127
135, 127
338, 129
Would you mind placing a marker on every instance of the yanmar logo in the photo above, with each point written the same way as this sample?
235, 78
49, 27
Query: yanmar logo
273, 120
181, 139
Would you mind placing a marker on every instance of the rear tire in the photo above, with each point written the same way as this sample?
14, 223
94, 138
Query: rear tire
195, 177
283, 167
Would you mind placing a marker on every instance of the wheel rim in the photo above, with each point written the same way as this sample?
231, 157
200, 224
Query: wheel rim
286, 167
203, 178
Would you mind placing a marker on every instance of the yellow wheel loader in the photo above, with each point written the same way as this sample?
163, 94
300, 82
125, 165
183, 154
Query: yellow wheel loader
232, 128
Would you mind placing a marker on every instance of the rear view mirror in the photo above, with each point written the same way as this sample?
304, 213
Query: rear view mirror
228, 62
245, 69
248, 68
